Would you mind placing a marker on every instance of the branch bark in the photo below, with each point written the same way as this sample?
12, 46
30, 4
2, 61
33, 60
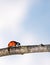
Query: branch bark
24, 49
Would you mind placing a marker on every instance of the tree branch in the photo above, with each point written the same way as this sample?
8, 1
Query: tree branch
24, 49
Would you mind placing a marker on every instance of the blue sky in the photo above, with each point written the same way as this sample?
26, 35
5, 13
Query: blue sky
26, 21
38, 20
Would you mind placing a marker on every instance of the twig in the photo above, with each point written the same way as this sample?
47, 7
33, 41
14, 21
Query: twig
25, 49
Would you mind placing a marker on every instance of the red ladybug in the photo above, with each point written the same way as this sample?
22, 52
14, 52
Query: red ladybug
13, 44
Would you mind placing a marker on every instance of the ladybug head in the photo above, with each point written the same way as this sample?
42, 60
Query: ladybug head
17, 43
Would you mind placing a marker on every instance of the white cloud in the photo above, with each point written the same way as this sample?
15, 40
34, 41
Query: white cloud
11, 18
11, 14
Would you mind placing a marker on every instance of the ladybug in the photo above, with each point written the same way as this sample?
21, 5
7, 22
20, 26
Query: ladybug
13, 44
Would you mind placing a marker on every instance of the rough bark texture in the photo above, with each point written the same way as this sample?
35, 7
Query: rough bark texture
24, 49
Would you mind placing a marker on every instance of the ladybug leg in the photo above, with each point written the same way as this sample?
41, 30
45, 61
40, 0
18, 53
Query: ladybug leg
9, 49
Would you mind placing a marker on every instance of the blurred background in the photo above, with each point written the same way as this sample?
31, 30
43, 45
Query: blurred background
28, 22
